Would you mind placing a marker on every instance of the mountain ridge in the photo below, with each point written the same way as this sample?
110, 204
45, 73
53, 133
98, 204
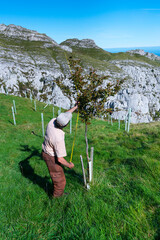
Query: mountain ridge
28, 56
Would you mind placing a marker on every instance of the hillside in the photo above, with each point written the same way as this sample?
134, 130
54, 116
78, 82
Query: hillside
31, 61
123, 202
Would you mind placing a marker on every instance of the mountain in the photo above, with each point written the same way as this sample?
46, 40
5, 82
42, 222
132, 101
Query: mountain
30, 60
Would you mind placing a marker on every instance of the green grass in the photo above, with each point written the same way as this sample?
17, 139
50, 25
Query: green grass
124, 199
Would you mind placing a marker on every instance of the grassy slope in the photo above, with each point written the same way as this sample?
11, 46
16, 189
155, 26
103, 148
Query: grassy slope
123, 202
100, 58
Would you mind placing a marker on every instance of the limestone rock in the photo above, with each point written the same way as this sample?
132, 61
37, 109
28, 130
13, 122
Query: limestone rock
143, 53
84, 43
42, 60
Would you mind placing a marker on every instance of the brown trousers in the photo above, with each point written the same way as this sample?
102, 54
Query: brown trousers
57, 174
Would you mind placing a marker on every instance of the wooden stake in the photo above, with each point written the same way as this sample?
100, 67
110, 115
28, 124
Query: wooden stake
84, 175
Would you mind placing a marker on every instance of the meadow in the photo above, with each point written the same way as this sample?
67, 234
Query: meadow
123, 202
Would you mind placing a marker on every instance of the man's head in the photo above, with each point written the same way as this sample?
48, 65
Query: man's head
63, 119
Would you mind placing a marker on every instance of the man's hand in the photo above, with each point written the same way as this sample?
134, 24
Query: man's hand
71, 165
76, 104
65, 163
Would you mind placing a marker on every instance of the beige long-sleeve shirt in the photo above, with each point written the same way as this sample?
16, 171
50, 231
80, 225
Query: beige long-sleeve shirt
54, 143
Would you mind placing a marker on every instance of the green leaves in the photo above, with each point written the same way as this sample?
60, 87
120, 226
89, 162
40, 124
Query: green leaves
88, 90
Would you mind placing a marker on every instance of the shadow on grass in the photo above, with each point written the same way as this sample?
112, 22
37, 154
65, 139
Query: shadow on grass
11, 122
28, 172
43, 182
157, 223
73, 176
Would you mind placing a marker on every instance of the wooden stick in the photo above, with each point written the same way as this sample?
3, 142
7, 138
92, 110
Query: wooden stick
84, 176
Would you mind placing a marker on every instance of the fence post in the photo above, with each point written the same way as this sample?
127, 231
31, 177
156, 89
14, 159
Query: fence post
129, 119
119, 123
42, 124
84, 175
59, 112
14, 106
91, 157
31, 96
126, 122
6, 91
111, 121
35, 104
13, 116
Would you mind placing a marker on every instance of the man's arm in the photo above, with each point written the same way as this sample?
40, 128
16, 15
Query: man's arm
65, 163
74, 108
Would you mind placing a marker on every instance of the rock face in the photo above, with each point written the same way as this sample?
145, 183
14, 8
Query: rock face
19, 32
143, 53
29, 57
142, 93
84, 43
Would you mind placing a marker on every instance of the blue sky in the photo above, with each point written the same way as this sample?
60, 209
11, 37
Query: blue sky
109, 23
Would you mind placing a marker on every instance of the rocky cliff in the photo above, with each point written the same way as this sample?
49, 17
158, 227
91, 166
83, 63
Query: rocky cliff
30, 60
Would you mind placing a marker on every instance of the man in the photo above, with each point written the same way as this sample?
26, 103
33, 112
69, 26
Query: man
54, 151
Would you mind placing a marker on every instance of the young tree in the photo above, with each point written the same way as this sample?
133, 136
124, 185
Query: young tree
88, 90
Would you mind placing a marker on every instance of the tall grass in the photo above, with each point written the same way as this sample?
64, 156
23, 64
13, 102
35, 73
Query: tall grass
124, 199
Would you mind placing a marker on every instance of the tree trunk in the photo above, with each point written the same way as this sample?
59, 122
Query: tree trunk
87, 154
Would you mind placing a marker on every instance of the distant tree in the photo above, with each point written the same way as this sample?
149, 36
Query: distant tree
25, 87
88, 90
